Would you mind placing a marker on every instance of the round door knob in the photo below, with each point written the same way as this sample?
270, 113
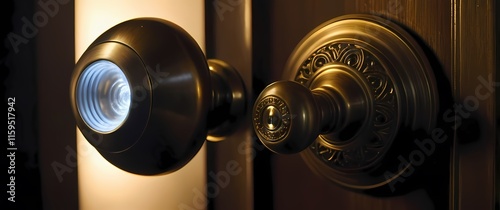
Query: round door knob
288, 116
144, 95
280, 104
352, 88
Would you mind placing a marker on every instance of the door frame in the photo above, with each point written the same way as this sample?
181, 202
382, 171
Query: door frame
474, 61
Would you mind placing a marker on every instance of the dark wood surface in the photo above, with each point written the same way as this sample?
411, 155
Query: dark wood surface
473, 178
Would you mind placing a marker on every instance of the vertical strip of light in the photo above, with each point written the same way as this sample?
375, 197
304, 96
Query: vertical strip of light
102, 185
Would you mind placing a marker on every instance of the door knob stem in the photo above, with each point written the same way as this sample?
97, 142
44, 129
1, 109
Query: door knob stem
228, 105
329, 110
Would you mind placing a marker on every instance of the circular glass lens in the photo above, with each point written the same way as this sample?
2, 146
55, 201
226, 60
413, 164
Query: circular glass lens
103, 96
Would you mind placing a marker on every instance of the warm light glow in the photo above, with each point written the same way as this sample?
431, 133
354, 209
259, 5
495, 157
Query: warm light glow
93, 17
103, 96
102, 185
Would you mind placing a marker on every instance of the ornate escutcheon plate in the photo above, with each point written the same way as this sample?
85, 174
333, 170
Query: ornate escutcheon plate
402, 96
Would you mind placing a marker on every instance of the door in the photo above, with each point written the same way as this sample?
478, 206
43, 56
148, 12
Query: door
458, 38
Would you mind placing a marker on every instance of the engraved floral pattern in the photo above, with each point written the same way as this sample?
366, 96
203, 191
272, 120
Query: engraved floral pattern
385, 105
283, 129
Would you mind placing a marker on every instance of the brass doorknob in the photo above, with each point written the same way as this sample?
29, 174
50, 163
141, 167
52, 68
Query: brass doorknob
144, 95
351, 88
289, 116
